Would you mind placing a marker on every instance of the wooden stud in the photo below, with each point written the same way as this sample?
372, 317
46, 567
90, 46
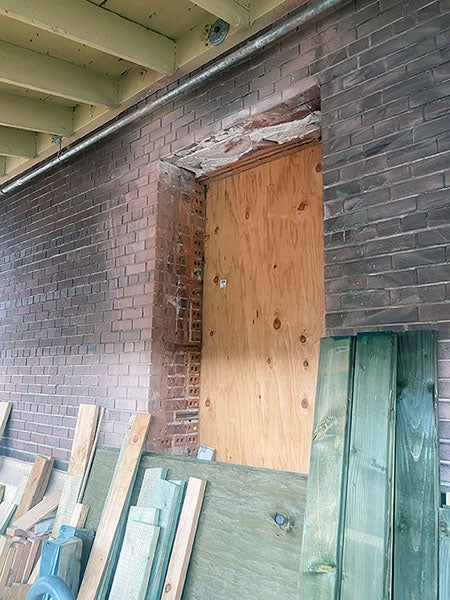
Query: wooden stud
31, 559
5, 573
18, 591
8, 509
36, 484
69, 498
5, 410
320, 563
87, 471
83, 448
369, 505
38, 512
116, 503
18, 562
417, 488
79, 515
83, 439
184, 540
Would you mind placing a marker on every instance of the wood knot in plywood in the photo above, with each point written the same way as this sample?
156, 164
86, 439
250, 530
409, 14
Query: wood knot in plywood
276, 324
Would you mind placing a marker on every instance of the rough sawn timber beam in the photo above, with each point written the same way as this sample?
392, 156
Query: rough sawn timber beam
16, 142
28, 69
34, 115
228, 10
96, 27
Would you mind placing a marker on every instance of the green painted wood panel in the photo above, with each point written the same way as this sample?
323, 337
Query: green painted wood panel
367, 554
444, 553
239, 552
168, 498
417, 469
322, 532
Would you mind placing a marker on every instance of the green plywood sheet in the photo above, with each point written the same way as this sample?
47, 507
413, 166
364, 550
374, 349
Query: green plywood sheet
322, 543
444, 553
239, 552
417, 469
367, 552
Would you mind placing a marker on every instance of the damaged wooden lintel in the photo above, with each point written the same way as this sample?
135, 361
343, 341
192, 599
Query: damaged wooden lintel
242, 142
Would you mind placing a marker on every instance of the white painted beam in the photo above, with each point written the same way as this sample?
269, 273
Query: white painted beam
96, 27
28, 69
34, 115
16, 142
228, 10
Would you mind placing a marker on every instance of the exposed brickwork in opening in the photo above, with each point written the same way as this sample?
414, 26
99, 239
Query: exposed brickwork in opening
176, 350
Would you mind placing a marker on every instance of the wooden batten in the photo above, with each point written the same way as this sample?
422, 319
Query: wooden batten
83, 448
5, 410
116, 506
38, 512
36, 484
184, 540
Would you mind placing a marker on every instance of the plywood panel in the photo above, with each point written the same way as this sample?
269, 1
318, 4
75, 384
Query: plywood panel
263, 312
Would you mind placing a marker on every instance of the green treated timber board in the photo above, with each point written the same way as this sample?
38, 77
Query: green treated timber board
168, 498
136, 557
321, 549
367, 551
239, 552
417, 469
444, 553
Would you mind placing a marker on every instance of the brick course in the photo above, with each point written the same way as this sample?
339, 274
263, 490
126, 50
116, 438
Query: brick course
96, 300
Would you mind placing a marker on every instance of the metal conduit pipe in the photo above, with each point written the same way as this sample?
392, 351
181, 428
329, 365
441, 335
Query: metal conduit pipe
297, 19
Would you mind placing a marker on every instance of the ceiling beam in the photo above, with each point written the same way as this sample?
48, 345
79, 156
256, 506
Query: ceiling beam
228, 10
16, 142
86, 23
28, 69
34, 115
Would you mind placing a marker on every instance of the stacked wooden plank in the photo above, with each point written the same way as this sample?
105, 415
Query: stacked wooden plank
20, 518
132, 552
371, 524
20, 545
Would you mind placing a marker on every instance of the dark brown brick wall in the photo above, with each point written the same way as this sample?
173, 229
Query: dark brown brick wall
97, 301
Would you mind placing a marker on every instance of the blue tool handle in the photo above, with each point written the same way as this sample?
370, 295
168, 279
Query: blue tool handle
52, 585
